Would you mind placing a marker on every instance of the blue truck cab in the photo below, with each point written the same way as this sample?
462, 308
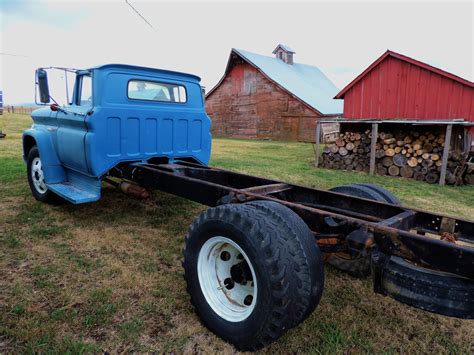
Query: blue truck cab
118, 113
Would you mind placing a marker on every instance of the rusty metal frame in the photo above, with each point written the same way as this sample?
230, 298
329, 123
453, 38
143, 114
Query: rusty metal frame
339, 222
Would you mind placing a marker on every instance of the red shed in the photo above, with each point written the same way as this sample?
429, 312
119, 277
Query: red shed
399, 87
397, 91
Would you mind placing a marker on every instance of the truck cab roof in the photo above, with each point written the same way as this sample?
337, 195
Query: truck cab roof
140, 69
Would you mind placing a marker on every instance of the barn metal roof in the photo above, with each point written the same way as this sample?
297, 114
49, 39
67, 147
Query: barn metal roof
307, 83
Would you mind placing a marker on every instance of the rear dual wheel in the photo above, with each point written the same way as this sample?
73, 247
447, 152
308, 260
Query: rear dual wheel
253, 271
227, 279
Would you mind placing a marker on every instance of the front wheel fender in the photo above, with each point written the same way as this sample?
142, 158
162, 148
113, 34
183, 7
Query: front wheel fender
52, 167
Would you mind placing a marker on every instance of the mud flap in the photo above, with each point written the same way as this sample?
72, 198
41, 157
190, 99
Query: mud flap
430, 290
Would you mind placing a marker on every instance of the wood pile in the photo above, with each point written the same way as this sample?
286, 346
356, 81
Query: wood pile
409, 154
468, 176
350, 151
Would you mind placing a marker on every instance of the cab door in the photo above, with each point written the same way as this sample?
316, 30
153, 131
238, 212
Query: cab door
72, 127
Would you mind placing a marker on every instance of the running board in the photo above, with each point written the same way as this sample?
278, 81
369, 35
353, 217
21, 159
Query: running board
72, 193
78, 189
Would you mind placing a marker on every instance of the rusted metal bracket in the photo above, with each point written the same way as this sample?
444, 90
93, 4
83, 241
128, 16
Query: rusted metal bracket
359, 241
401, 221
268, 189
447, 225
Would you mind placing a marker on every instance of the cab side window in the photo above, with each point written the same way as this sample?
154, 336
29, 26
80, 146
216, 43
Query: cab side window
156, 91
85, 91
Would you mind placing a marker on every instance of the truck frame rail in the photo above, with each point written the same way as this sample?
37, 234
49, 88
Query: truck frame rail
338, 221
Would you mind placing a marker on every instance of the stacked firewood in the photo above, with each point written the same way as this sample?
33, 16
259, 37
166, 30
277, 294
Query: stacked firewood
469, 176
410, 154
350, 151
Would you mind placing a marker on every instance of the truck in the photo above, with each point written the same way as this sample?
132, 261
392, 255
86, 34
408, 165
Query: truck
254, 260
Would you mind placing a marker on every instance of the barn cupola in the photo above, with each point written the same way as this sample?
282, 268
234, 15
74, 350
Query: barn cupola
284, 53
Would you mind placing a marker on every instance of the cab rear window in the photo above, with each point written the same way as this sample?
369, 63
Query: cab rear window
155, 91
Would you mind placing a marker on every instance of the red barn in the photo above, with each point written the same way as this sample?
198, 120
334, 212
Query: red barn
398, 87
270, 97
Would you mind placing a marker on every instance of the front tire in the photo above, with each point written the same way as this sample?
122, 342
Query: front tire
242, 265
36, 180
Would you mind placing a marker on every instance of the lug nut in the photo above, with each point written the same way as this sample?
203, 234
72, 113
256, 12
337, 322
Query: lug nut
248, 300
225, 255
229, 283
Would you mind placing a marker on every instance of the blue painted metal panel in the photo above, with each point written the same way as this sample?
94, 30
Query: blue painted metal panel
78, 188
71, 133
113, 137
43, 132
78, 147
150, 141
123, 129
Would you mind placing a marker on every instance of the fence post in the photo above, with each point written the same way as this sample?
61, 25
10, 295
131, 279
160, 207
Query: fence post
318, 138
373, 142
447, 144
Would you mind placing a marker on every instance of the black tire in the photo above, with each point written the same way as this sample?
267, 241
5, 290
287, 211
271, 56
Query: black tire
47, 196
359, 191
309, 266
388, 196
269, 243
359, 266
430, 290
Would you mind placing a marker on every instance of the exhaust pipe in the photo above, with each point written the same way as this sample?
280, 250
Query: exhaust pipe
131, 189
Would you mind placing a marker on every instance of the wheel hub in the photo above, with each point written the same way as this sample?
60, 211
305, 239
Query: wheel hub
227, 279
241, 273
37, 176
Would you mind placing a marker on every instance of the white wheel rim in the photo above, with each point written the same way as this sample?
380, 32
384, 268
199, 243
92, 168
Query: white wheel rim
220, 260
37, 176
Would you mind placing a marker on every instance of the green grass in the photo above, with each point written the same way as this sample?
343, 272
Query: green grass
107, 276
100, 308
293, 162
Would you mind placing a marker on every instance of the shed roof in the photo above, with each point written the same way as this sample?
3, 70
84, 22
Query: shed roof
414, 121
404, 58
305, 82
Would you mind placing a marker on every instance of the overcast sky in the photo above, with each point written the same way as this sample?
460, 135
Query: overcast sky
342, 38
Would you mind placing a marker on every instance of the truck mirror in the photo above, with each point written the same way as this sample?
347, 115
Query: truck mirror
42, 79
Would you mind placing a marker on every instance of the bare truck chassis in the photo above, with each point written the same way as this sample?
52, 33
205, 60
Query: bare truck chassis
341, 223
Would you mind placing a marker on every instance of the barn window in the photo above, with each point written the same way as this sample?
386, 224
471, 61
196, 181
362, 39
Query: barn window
250, 82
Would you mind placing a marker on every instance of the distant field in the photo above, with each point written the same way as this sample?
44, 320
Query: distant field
107, 276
